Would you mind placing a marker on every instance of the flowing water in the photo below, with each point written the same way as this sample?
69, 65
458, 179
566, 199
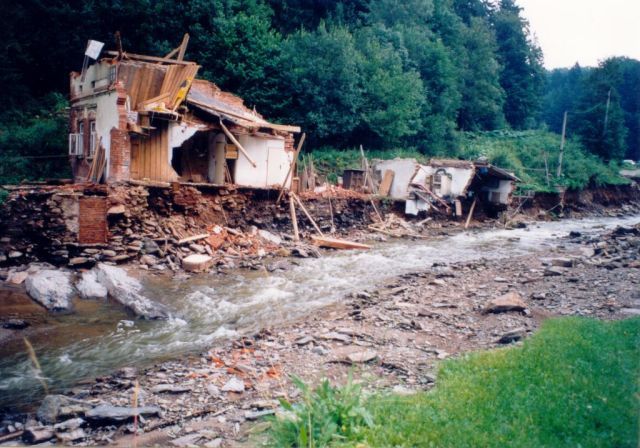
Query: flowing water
100, 337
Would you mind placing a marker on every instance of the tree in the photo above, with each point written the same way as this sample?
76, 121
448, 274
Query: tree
522, 76
600, 118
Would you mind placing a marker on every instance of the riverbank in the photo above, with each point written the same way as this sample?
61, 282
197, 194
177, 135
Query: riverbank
390, 336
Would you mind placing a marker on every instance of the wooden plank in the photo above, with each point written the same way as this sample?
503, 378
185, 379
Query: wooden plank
292, 167
335, 243
473, 206
193, 238
142, 57
294, 219
237, 143
385, 185
306, 212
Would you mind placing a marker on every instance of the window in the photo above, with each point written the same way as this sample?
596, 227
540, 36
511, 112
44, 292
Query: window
92, 138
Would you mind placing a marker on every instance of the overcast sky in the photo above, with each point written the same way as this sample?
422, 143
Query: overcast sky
584, 31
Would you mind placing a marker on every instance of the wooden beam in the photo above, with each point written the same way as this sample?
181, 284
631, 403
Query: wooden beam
145, 58
193, 238
335, 243
183, 46
473, 206
294, 219
306, 212
237, 143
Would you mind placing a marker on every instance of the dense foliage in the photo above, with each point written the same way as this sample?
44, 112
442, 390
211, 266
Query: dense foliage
381, 73
573, 383
603, 105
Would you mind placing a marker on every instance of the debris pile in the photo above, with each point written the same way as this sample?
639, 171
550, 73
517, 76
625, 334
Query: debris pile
397, 227
619, 248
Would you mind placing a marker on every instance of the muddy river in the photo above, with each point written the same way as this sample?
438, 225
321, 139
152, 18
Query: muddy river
100, 337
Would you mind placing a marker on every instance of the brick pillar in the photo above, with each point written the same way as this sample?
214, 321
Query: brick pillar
92, 220
120, 150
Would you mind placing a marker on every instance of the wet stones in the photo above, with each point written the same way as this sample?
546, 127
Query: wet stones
51, 288
55, 407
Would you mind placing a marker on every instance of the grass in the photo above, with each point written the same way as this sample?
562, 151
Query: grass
574, 383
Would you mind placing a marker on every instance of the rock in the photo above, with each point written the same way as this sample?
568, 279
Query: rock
197, 263
187, 441
359, 357
170, 388
553, 272
128, 373
334, 336
89, 288
235, 384
126, 290
513, 335
562, 262
304, 340
149, 260
117, 210
51, 288
37, 435
215, 443
199, 248
79, 261
213, 390
539, 295
107, 414
15, 254
437, 282
68, 425
511, 301
17, 278
71, 436
54, 407
500, 280
255, 415
269, 237
15, 324
149, 246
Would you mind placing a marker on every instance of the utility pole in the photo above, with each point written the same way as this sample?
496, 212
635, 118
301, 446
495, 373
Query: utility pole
564, 133
606, 115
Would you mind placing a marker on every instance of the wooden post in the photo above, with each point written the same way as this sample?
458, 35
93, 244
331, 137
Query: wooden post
606, 115
473, 206
546, 166
564, 131
306, 212
183, 47
292, 167
294, 219
333, 226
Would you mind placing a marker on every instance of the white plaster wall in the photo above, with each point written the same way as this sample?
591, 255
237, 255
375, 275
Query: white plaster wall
106, 109
272, 162
505, 187
403, 169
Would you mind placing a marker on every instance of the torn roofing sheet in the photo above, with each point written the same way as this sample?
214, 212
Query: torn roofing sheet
208, 97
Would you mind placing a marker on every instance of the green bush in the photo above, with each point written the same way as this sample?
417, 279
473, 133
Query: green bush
324, 416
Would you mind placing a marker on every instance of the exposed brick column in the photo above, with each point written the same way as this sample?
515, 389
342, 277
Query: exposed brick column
120, 150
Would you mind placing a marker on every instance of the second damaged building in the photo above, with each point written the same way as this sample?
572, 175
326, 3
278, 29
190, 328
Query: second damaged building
145, 118
446, 185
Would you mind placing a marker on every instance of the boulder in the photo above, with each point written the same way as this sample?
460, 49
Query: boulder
269, 237
107, 414
511, 301
149, 246
51, 288
514, 335
17, 277
197, 263
89, 288
126, 291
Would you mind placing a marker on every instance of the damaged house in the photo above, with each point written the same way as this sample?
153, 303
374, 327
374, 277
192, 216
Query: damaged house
444, 185
149, 119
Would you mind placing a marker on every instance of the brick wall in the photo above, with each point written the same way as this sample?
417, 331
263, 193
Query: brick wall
120, 159
92, 220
